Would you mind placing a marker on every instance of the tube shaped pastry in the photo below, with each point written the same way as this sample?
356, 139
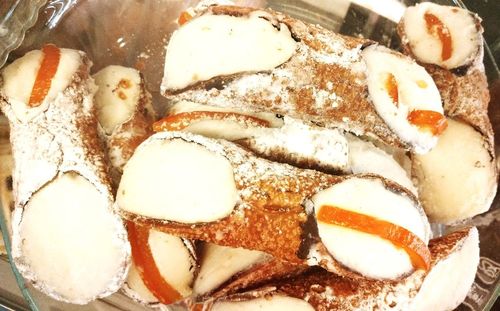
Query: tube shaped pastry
163, 267
271, 62
286, 140
125, 113
215, 191
454, 262
66, 240
274, 137
452, 41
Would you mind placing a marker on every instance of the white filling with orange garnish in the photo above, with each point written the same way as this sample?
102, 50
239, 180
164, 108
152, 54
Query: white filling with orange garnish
25, 69
271, 303
175, 264
117, 96
235, 44
229, 127
443, 35
68, 239
399, 87
175, 180
187, 106
369, 254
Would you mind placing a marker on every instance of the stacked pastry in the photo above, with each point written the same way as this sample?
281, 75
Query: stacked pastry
288, 155
246, 128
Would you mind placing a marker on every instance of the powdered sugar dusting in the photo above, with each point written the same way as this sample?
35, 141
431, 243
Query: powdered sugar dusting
59, 140
323, 81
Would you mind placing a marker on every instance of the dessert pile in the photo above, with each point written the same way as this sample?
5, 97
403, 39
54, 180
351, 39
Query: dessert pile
296, 168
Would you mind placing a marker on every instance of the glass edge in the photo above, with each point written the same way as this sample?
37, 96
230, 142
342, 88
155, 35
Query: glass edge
19, 278
33, 6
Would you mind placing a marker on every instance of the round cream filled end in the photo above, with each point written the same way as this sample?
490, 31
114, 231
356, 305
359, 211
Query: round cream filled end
69, 240
399, 87
117, 96
369, 254
457, 179
19, 78
179, 181
446, 36
235, 44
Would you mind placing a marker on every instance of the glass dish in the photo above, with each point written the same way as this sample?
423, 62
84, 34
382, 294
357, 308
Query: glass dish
134, 32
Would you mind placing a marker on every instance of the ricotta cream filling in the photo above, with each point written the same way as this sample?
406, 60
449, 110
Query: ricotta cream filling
416, 91
234, 45
465, 37
369, 254
177, 181
68, 238
117, 96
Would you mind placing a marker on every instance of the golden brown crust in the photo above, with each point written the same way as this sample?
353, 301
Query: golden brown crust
466, 98
327, 291
272, 269
464, 90
270, 215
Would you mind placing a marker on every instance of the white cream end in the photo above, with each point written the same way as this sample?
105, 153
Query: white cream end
449, 281
366, 158
273, 303
117, 96
175, 263
135, 288
19, 78
178, 181
365, 253
416, 91
220, 263
461, 24
235, 44
69, 240
457, 179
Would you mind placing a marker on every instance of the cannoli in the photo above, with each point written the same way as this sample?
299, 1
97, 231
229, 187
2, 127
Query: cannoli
448, 42
274, 137
215, 191
163, 267
61, 189
287, 141
265, 61
454, 262
125, 113
225, 270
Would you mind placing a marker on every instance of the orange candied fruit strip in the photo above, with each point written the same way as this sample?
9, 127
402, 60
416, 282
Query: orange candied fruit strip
184, 18
144, 261
416, 249
391, 86
436, 27
180, 121
429, 120
46, 72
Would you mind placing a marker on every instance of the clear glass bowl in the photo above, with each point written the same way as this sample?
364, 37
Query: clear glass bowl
134, 32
